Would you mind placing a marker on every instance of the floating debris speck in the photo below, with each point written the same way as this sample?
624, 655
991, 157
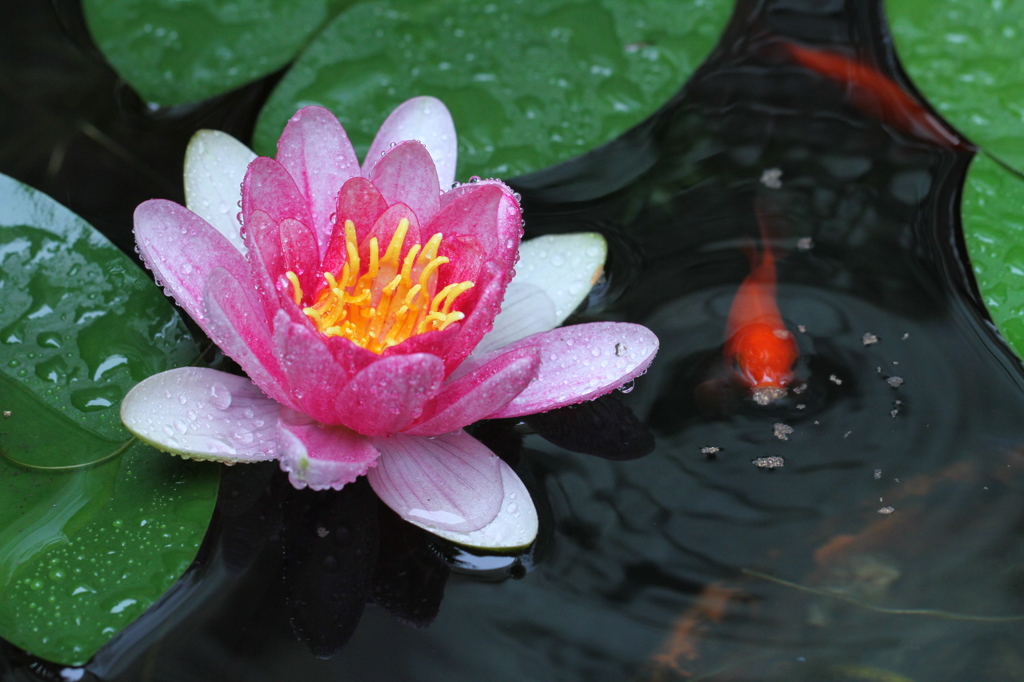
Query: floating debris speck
769, 462
878, 474
710, 450
765, 395
7, 413
886, 510
782, 431
797, 390
895, 382
805, 243
322, 532
772, 178
847, 434
801, 406
906, 335
835, 380
869, 338
801, 328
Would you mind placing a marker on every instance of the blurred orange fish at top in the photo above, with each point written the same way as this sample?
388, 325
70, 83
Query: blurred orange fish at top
876, 94
760, 348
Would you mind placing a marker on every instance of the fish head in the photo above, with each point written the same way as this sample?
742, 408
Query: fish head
763, 356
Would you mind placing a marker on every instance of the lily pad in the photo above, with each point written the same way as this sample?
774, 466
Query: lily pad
94, 526
174, 51
80, 324
965, 57
993, 215
529, 84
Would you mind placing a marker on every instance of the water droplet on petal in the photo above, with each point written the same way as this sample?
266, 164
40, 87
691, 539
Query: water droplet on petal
220, 396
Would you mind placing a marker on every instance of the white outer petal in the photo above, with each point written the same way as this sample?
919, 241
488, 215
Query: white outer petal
514, 527
215, 165
553, 276
202, 413
565, 266
525, 310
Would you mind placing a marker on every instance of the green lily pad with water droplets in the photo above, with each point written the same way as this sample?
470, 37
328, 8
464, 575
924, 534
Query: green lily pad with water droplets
529, 83
174, 51
993, 216
965, 57
80, 324
94, 526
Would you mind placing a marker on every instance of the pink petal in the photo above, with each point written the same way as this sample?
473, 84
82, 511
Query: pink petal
313, 376
321, 456
488, 292
316, 152
350, 357
466, 258
491, 215
360, 202
514, 527
406, 174
465, 188
266, 264
268, 187
201, 413
288, 246
387, 223
451, 482
234, 324
383, 229
582, 362
258, 224
182, 249
435, 343
425, 119
390, 393
483, 391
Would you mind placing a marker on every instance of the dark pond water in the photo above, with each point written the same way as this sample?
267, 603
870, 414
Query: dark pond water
691, 562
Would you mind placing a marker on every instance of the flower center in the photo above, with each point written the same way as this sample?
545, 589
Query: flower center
390, 300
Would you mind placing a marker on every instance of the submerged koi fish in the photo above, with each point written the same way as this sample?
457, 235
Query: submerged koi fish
876, 94
758, 345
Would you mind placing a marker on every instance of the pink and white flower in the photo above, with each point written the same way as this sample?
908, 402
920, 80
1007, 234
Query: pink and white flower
363, 302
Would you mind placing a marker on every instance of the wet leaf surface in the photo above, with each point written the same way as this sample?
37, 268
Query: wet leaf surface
529, 84
993, 215
94, 526
965, 57
80, 324
179, 52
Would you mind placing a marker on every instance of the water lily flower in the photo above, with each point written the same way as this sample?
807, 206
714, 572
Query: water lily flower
363, 303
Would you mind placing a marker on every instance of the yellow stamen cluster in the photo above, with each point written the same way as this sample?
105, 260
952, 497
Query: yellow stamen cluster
389, 301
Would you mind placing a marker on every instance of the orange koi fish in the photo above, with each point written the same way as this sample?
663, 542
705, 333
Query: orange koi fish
682, 646
876, 94
762, 351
